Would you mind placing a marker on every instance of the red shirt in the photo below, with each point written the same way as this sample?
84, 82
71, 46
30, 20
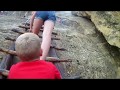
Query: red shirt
38, 69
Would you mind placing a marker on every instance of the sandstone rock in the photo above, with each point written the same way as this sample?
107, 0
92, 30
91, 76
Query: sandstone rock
87, 48
80, 14
16, 13
77, 23
107, 22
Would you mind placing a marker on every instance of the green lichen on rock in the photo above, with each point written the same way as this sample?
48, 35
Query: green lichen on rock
112, 19
107, 22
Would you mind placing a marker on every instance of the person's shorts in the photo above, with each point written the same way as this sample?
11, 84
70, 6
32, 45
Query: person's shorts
46, 15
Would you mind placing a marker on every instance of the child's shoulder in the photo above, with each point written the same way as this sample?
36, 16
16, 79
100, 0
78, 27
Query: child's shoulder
49, 64
34, 63
46, 62
15, 65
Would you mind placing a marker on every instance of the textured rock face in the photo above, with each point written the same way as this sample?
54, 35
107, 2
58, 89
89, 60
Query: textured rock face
107, 22
79, 13
16, 13
85, 45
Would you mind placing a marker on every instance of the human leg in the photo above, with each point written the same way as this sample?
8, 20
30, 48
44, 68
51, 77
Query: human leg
46, 40
37, 24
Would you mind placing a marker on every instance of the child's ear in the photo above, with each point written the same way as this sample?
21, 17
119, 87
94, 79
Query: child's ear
41, 52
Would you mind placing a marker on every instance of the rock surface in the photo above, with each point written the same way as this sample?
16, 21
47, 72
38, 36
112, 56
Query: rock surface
92, 56
107, 22
87, 47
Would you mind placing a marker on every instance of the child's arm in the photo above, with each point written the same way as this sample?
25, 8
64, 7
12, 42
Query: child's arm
32, 19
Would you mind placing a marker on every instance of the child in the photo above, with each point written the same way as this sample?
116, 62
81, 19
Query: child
38, 19
27, 47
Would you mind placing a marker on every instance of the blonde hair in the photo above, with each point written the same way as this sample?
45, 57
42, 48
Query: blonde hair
27, 46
